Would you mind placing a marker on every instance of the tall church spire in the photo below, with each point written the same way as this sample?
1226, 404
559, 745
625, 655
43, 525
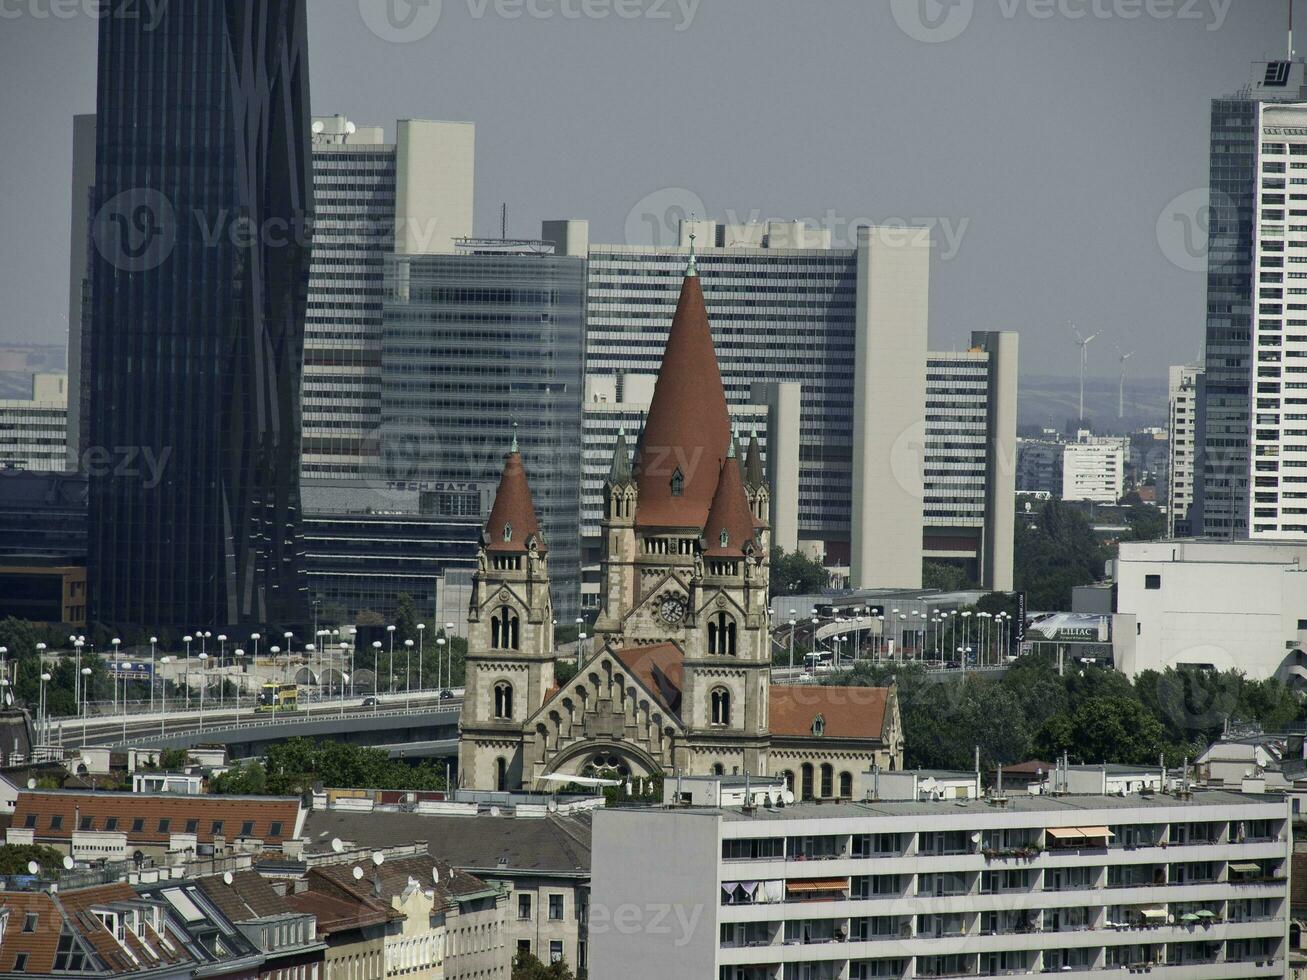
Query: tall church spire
729, 527
619, 471
688, 430
753, 473
513, 520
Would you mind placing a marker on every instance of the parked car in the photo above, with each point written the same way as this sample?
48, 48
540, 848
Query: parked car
370, 702
446, 695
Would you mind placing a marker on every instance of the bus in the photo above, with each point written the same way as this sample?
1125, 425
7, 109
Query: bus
278, 697
821, 660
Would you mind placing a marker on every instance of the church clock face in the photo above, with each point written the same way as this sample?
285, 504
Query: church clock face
672, 611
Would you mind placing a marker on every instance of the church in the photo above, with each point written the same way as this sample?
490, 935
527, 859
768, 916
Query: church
680, 677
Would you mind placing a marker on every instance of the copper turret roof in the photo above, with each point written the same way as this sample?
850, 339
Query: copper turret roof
513, 516
730, 522
753, 474
619, 472
688, 431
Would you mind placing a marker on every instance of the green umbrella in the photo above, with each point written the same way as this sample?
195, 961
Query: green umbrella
1205, 914
1188, 917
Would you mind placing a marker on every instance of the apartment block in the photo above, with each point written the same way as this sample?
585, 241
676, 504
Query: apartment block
1189, 885
1184, 439
34, 431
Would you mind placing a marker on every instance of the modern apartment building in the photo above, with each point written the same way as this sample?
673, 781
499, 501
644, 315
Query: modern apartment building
848, 325
1184, 438
1039, 464
1256, 311
34, 431
198, 285
1189, 884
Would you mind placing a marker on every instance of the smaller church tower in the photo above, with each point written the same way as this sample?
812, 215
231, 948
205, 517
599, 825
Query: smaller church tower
759, 494
510, 638
618, 528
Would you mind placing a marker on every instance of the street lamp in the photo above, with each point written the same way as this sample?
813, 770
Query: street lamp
344, 648
390, 660
123, 669
187, 640
84, 674
449, 673
343, 679
440, 664
163, 718
45, 679
408, 674
376, 661
204, 662
154, 640
422, 628
239, 654
115, 641
287, 636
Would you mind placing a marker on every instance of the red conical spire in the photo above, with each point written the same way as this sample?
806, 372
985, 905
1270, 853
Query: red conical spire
688, 430
513, 516
730, 524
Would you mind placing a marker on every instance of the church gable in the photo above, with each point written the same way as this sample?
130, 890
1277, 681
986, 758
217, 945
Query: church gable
661, 612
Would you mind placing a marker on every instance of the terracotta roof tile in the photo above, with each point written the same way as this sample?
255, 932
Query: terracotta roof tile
249, 896
660, 667
335, 913
688, 427
731, 517
394, 876
513, 510
848, 712
141, 816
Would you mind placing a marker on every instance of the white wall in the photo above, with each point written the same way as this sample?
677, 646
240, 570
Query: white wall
1233, 605
433, 185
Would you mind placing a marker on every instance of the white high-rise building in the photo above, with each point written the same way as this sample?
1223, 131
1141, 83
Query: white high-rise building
1183, 444
34, 431
1093, 468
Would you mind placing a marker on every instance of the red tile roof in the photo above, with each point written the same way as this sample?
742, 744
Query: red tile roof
660, 668
688, 427
848, 712
380, 884
513, 508
730, 514
249, 896
336, 913
125, 812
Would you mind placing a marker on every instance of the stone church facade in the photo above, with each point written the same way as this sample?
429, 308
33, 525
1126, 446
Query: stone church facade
680, 680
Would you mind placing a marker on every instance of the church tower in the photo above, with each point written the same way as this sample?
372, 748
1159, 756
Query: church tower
755, 485
510, 639
618, 530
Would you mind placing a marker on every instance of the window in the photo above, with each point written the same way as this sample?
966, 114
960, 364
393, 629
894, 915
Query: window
20, 963
846, 785
827, 780
29, 821
164, 824
1152, 581
504, 700
508, 532
524, 906
29, 922
678, 483
192, 826
524, 946
87, 823
504, 629
555, 951
721, 635
216, 828
138, 825
501, 775
111, 823
69, 955
819, 725
555, 908
807, 781
721, 706
274, 829
247, 828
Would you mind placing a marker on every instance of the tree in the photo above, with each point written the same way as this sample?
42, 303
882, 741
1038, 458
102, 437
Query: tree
1111, 728
14, 859
797, 574
406, 619
527, 967
943, 576
1146, 523
1055, 550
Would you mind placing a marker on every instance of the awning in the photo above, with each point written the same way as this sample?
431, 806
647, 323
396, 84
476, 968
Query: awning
1065, 833
1246, 868
1096, 832
817, 885
1155, 912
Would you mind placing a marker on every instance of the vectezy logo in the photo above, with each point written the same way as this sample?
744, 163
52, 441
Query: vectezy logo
933, 21
1195, 230
400, 21
656, 218
135, 231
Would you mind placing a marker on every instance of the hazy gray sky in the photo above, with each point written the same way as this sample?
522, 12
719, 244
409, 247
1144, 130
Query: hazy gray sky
1059, 146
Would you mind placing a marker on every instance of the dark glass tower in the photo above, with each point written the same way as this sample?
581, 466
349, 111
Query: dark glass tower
199, 277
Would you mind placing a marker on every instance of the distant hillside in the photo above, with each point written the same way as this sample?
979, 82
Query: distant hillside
1048, 400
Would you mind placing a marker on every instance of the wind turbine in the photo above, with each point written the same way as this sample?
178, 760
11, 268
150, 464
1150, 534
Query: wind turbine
1120, 405
1083, 343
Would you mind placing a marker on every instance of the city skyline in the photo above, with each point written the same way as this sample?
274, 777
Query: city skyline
990, 212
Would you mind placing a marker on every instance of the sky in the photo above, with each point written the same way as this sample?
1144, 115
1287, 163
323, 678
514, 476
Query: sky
1057, 148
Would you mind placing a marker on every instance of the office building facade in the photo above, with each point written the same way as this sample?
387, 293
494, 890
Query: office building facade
34, 432
1253, 445
197, 294
849, 327
1186, 884
1093, 469
1184, 437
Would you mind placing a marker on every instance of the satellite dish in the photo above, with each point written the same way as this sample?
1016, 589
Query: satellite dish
31, 784
494, 811
975, 837
317, 126
227, 878
552, 805
378, 858
337, 845
435, 874
33, 868
350, 128
358, 873
68, 863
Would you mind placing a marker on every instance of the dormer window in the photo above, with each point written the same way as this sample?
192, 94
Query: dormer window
819, 725
725, 537
508, 532
678, 483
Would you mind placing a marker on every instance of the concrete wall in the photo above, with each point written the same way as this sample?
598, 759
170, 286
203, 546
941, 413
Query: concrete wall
570, 236
1233, 605
79, 233
433, 185
1001, 458
889, 400
783, 402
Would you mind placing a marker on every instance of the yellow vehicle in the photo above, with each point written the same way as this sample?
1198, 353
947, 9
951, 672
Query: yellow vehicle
278, 697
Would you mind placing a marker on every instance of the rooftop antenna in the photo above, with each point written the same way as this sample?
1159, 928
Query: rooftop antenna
692, 269
503, 220
1291, 30
1120, 404
1083, 343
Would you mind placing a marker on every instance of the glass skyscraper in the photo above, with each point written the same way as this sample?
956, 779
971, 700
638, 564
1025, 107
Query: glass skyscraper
199, 272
